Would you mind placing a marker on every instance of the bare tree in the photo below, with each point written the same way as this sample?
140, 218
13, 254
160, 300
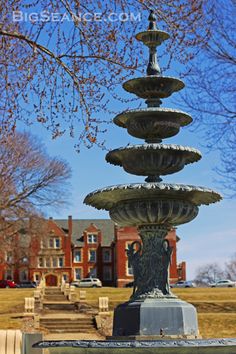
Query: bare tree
30, 183
30, 180
19, 244
212, 86
208, 273
230, 268
62, 65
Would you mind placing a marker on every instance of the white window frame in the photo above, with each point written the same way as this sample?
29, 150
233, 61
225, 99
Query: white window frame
55, 242
60, 266
79, 251
89, 255
94, 238
93, 270
65, 276
41, 264
81, 273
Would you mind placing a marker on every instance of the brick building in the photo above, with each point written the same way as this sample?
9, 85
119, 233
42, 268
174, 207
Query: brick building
75, 249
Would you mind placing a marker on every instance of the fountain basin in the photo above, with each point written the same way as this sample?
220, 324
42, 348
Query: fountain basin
153, 123
162, 346
153, 86
137, 204
167, 212
153, 159
107, 197
152, 37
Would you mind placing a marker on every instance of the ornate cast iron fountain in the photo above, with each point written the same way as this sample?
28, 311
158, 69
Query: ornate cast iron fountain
154, 207
154, 320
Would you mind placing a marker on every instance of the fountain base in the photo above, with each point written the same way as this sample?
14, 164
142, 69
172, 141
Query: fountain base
196, 346
155, 317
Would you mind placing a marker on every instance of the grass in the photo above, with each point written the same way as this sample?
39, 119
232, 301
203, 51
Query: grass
216, 307
12, 302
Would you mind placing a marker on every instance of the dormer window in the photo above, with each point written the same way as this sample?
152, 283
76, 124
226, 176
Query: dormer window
92, 238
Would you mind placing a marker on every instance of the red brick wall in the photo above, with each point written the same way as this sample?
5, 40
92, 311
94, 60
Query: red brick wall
99, 264
65, 249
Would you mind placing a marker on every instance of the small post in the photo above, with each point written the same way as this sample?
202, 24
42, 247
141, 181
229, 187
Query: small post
103, 304
82, 295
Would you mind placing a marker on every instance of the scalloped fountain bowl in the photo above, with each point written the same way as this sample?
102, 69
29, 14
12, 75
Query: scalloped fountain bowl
152, 37
153, 159
153, 86
152, 123
155, 203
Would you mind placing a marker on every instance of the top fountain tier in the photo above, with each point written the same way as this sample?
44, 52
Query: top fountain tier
153, 87
152, 37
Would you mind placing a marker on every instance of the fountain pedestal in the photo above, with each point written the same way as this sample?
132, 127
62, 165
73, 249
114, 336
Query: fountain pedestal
155, 318
153, 310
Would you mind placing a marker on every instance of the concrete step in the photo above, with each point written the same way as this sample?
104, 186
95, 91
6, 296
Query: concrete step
60, 306
65, 320
69, 325
72, 331
54, 298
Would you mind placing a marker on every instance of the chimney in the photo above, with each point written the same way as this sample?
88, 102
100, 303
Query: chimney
70, 225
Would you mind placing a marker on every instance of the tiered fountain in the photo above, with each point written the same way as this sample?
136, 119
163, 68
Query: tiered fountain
154, 320
154, 207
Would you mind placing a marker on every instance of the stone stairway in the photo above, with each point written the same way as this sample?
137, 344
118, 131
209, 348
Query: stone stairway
68, 324
58, 314
54, 294
54, 299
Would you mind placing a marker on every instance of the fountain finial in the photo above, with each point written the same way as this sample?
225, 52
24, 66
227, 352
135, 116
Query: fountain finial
152, 21
153, 67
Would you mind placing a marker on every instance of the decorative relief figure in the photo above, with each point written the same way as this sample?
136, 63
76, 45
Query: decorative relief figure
166, 261
134, 257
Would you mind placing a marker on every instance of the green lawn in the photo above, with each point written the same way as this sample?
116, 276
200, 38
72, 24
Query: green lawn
12, 302
216, 307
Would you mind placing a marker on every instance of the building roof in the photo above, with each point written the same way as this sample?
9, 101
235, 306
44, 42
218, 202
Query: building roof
79, 225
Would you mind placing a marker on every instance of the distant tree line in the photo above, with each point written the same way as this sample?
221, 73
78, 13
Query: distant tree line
211, 272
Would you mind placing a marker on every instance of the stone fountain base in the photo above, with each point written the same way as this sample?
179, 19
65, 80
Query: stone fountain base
156, 317
196, 346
